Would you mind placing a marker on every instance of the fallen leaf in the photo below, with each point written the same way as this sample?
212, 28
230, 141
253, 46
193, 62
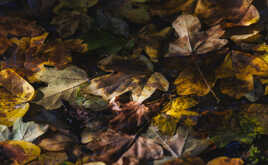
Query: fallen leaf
191, 41
18, 152
62, 84
56, 142
226, 161
78, 5
15, 93
52, 158
122, 80
28, 131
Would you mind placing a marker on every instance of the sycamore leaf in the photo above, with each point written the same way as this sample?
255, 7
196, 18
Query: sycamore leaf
191, 81
178, 107
127, 75
235, 12
191, 40
23, 131
223, 160
62, 84
238, 70
18, 152
15, 93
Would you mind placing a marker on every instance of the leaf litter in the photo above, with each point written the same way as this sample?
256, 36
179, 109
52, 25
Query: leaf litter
152, 82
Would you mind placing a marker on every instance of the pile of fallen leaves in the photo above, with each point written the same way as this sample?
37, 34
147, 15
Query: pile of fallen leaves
131, 82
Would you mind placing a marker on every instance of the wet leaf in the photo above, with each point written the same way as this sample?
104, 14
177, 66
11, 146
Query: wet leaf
79, 5
121, 80
226, 161
15, 93
28, 131
191, 40
53, 158
56, 142
18, 152
62, 84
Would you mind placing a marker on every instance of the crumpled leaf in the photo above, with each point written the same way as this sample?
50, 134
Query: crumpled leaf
27, 131
235, 12
62, 84
181, 161
122, 80
223, 160
15, 93
191, 41
18, 152
68, 23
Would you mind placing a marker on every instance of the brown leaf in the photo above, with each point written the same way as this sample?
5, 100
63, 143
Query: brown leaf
191, 41
56, 142
19, 27
226, 161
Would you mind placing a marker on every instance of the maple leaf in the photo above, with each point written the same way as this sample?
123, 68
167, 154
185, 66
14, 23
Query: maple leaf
15, 93
18, 152
127, 75
193, 42
234, 12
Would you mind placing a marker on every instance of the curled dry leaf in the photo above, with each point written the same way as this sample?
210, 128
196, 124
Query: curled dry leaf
15, 93
191, 41
18, 152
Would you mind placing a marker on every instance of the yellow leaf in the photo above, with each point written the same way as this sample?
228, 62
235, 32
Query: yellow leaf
152, 53
165, 124
19, 152
223, 160
178, 107
190, 81
14, 94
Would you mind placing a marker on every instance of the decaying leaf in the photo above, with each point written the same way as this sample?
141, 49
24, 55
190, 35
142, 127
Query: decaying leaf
193, 42
18, 152
56, 142
62, 84
127, 75
68, 23
15, 93
52, 158
79, 5
226, 161
235, 12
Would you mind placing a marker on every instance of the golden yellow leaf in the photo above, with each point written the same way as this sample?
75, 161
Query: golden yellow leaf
178, 107
165, 124
223, 160
190, 81
15, 92
19, 152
